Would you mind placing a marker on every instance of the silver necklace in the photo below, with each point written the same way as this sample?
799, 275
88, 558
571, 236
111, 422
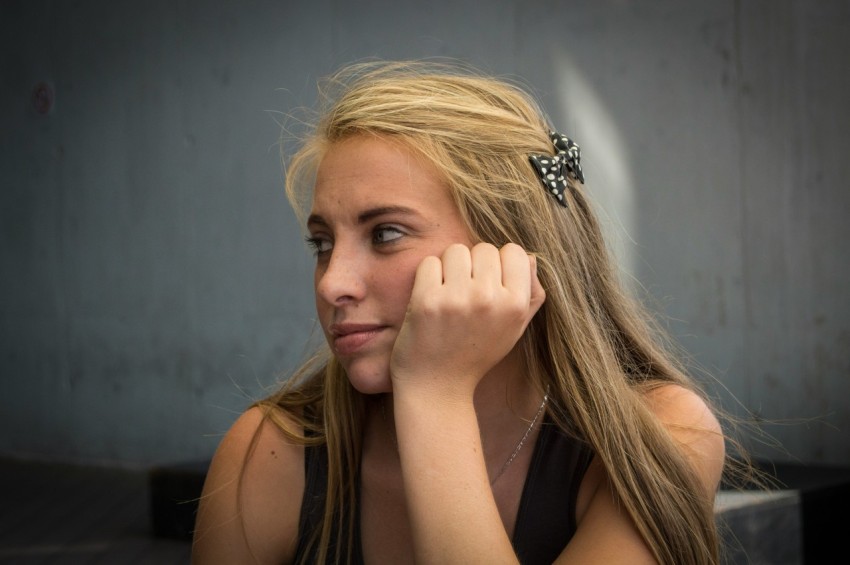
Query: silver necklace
517, 449
522, 441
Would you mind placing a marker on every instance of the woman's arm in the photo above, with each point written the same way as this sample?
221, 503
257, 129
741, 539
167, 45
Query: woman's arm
467, 311
255, 521
454, 517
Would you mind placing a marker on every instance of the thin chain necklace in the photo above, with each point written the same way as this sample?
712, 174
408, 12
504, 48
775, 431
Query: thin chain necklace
522, 441
513, 455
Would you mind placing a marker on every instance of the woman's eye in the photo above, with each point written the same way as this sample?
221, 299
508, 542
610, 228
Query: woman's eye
385, 234
319, 245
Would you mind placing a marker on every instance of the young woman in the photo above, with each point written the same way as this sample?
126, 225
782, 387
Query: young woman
488, 393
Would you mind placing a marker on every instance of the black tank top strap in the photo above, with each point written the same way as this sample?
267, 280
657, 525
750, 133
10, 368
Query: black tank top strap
313, 510
313, 500
546, 519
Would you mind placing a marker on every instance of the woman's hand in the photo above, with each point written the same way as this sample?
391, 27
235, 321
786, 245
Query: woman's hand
467, 310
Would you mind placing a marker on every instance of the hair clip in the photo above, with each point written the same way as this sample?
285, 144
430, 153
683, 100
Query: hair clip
553, 171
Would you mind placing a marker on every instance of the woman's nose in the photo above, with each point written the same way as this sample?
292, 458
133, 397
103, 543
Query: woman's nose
341, 279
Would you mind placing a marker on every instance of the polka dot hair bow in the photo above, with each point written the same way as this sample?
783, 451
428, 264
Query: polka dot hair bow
553, 171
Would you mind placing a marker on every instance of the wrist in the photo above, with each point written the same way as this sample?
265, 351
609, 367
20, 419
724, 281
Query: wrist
433, 430
430, 390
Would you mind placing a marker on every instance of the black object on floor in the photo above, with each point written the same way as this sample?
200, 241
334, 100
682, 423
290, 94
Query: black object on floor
174, 494
58, 513
824, 499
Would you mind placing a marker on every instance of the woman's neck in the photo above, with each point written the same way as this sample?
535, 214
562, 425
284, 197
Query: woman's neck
506, 402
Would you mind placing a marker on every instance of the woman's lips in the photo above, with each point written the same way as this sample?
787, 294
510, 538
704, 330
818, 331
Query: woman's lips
347, 339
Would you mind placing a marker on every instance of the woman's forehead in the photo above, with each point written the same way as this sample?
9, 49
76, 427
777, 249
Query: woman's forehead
370, 167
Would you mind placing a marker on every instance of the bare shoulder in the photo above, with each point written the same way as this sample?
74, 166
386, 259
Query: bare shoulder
694, 427
251, 501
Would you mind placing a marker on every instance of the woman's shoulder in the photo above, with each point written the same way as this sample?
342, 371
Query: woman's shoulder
693, 426
679, 408
251, 501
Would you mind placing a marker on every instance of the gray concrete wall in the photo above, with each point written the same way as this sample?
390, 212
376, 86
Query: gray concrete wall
153, 279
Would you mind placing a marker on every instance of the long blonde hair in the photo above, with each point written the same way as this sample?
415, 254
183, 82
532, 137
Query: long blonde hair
591, 346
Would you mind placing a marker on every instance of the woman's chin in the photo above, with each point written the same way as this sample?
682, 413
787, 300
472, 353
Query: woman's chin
368, 380
372, 386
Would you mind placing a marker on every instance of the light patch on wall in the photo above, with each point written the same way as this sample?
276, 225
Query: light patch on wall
606, 159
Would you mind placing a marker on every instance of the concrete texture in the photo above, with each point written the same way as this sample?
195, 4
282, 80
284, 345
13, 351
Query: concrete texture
760, 527
152, 276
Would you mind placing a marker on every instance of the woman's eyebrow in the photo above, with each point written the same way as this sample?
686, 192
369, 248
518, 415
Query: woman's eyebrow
366, 216
316, 220
373, 213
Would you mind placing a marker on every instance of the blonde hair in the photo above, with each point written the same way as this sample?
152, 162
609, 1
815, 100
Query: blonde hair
592, 347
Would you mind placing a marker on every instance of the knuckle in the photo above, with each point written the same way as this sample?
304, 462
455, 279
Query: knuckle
484, 245
455, 305
517, 308
428, 263
484, 249
456, 248
428, 305
484, 298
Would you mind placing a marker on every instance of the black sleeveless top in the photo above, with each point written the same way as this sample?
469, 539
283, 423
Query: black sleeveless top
546, 519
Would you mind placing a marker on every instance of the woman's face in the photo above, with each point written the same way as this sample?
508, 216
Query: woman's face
378, 210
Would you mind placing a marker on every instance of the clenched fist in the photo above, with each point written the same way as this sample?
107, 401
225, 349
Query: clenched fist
467, 310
